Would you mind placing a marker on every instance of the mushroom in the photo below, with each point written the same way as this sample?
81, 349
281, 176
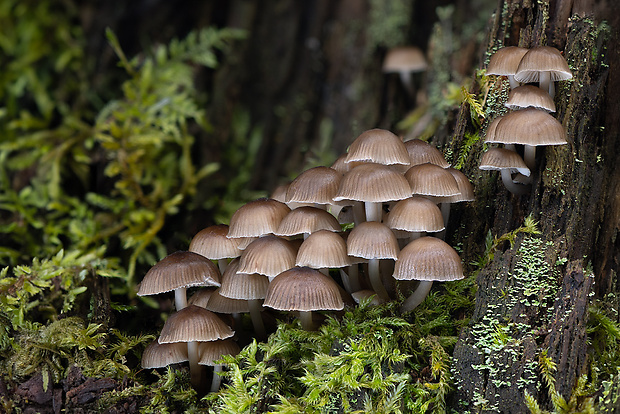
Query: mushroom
426, 259
315, 186
415, 215
405, 60
528, 95
378, 146
211, 352
213, 244
506, 162
177, 272
267, 255
505, 61
306, 220
421, 152
257, 218
158, 355
545, 65
304, 290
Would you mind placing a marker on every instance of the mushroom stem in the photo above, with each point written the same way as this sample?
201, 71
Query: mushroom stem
407, 81
373, 211
418, 296
375, 279
353, 278
222, 264
216, 379
195, 370
180, 298
516, 189
529, 156
335, 209
544, 82
257, 320
305, 317
512, 81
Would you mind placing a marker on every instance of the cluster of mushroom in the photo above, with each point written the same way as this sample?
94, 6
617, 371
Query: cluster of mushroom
529, 124
277, 252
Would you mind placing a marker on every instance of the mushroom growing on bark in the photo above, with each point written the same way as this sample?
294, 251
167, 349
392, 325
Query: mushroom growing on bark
505, 61
545, 65
506, 162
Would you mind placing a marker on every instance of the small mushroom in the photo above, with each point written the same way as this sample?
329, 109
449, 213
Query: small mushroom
506, 162
545, 65
505, 61
405, 60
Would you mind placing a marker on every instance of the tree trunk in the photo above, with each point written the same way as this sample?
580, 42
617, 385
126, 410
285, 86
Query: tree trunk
532, 301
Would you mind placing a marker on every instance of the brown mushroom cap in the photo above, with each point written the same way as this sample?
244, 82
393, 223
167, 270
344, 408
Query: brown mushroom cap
179, 270
323, 249
158, 355
421, 152
243, 286
505, 61
373, 183
415, 214
431, 180
528, 95
404, 58
378, 146
257, 218
529, 126
372, 240
429, 259
222, 304
213, 243
194, 323
303, 289
315, 185
214, 350
307, 220
201, 297
466, 189
496, 159
542, 59
267, 255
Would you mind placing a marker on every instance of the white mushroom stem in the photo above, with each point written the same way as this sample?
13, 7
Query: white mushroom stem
373, 211
255, 306
529, 156
544, 82
352, 278
375, 279
195, 370
445, 214
216, 379
512, 81
516, 189
418, 296
305, 317
180, 298
407, 80
222, 264
335, 209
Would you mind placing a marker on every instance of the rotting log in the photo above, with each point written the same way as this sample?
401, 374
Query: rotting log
574, 199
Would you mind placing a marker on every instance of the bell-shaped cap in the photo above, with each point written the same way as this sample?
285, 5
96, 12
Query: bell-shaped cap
429, 259
194, 323
213, 243
257, 218
378, 146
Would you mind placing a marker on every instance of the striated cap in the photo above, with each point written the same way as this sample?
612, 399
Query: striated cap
201, 297
529, 126
430, 259
528, 95
421, 152
542, 59
257, 218
431, 180
158, 355
373, 183
466, 189
323, 249
241, 285
415, 214
222, 304
303, 289
378, 146
267, 255
307, 220
213, 243
315, 185
505, 61
194, 323
179, 270
497, 159
372, 240
209, 352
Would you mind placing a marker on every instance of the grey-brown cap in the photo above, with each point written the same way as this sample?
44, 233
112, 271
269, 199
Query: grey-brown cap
497, 159
212, 351
505, 61
373, 183
529, 126
158, 355
421, 152
415, 214
213, 243
222, 304
315, 185
241, 285
257, 218
429, 259
542, 59
323, 249
529, 95
466, 189
378, 146
404, 58
267, 255
306, 220
179, 270
303, 289
431, 180
201, 297
372, 240
194, 323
